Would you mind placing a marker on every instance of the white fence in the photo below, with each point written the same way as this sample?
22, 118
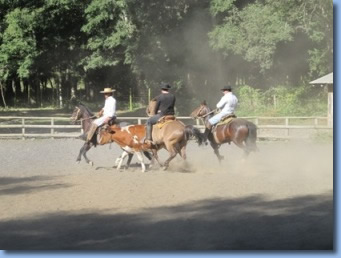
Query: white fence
60, 127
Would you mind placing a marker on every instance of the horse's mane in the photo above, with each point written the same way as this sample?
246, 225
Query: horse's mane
86, 109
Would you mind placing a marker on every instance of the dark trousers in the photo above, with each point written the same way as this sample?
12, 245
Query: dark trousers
150, 122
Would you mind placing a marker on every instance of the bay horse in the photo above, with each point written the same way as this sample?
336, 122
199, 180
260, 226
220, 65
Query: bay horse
241, 132
83, 114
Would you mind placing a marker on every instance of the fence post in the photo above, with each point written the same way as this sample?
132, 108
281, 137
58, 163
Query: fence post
139, 121
23, 128
286, 121
256, 121
316, 123
52, 129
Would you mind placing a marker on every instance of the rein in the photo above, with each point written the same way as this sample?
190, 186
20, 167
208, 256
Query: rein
86, 118
209, 113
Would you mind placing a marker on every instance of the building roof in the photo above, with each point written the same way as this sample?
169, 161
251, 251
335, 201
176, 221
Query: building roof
327, 79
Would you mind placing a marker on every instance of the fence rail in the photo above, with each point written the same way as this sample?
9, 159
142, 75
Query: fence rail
56, 127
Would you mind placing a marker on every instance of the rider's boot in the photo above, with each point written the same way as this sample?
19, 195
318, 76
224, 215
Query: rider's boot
148, 140
91, 132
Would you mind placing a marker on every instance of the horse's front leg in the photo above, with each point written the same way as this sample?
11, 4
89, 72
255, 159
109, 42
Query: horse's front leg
78, 160
155, 157
82, 152
215, 147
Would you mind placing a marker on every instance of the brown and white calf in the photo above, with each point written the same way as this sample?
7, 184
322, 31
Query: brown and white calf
129, 138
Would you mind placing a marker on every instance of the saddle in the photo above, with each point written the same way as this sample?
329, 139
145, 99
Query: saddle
164, 120
226, 119
102, 134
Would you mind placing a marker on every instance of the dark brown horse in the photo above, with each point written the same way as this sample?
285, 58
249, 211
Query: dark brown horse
83, 114
241, 132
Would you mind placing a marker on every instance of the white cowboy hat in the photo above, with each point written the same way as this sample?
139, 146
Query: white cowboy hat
107, 90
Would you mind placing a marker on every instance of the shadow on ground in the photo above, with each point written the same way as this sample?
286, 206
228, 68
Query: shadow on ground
25, 185
252, 223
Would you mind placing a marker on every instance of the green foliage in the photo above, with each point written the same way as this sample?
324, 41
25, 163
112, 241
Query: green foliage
281, 101
108, 28
18, 48
256, 30
49, 49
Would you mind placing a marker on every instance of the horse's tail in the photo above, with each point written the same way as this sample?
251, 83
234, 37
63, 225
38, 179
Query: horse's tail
252, 137
191, 131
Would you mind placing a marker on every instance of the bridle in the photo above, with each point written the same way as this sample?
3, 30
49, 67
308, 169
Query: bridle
203, 116
75, 118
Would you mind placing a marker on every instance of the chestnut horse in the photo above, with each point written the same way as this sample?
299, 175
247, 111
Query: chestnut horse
172, 136
241, 132
83, 114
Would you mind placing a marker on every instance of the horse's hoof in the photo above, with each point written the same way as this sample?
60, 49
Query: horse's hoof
78, 161
164, 168
91, 163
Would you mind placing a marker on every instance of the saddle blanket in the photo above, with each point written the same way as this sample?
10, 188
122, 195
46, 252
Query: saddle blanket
226, 120
164, 120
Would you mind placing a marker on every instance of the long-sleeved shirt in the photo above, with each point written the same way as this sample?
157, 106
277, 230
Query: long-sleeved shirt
165, 103
228, 103
109, 109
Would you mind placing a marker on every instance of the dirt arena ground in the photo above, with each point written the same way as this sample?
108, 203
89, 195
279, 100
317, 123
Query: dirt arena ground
281, 198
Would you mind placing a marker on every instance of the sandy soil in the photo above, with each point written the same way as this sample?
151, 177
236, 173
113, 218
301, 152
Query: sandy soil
280, 198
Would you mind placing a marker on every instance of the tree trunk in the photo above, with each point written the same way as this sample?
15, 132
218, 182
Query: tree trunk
2, 95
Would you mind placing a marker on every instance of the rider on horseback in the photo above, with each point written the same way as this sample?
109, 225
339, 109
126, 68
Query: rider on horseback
106, 114
165, 103
227, 104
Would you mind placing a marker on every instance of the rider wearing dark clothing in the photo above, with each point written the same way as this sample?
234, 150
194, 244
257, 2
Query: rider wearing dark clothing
165, 103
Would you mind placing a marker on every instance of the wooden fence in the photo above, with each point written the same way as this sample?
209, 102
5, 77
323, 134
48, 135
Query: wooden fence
60, 127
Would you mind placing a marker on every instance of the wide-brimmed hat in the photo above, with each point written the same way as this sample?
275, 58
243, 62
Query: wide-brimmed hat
165, 86
107, 90
228, 87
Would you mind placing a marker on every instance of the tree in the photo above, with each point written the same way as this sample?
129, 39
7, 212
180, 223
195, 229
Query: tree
257, 32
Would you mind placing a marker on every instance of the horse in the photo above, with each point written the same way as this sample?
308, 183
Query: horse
83, 114
241, 132
172, 136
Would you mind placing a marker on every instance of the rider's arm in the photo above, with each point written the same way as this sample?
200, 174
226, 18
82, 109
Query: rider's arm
222, 102
157, 106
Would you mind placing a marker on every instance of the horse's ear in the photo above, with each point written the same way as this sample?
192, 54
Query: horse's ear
204, 103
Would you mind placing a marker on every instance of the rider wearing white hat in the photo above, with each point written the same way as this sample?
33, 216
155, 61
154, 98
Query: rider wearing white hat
106, 113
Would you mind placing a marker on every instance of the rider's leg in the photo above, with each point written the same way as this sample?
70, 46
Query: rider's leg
149, 128
94, 125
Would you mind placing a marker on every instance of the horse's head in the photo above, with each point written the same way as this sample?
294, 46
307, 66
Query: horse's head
81, 112
200, 111
76, 115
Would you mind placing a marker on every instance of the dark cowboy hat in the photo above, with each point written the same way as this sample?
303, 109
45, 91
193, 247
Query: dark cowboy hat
165, 86
228, 88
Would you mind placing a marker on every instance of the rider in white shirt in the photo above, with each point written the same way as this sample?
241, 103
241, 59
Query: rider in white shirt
227, 104
106, 113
